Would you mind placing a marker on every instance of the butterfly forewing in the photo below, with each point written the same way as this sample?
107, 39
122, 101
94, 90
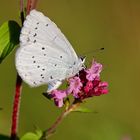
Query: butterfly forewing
39, 28
45, 55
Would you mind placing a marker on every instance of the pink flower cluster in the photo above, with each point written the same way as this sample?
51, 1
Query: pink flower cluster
84, 85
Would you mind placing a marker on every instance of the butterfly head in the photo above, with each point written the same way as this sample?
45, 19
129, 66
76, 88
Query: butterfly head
82, 59
81, 62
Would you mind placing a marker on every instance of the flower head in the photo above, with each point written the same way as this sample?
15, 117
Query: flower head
84, 85
88, 86
58, 96
94, 71
101, 88
74, 86
98, 89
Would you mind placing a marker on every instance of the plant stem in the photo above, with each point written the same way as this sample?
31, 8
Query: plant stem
17, 98
18, 89
22, 11
31, 4
16, 107
47, 133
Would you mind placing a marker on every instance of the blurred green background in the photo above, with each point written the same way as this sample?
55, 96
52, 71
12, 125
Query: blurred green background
88, 24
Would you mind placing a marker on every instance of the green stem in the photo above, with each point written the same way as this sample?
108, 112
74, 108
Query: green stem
47, 133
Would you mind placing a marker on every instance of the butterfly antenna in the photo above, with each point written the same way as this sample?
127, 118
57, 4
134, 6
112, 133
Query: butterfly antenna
95, 50
91, 52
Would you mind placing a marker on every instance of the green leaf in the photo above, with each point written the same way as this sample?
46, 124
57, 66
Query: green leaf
3, 137
39, 132
9, 38
83, 110
30, 136
67, 103
33, 136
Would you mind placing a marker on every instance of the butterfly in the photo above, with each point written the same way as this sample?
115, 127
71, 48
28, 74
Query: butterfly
45, 56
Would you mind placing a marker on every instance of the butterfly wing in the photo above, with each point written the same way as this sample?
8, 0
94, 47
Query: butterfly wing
45, 54
39, 28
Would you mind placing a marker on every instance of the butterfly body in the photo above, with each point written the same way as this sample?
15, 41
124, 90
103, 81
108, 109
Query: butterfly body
45, 56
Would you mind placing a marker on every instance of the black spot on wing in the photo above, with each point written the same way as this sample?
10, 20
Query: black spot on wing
34, 83
51, 77
34, 35
28, 39
42, 76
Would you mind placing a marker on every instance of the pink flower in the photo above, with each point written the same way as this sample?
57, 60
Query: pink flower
74, 86
94, 71
88, 87
58, 96
93, 88
101, 89
85, 85
82, 76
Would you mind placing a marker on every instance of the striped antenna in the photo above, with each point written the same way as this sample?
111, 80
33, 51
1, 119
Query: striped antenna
93, 51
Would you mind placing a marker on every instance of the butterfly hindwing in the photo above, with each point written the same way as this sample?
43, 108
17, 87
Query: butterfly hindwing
37, 66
